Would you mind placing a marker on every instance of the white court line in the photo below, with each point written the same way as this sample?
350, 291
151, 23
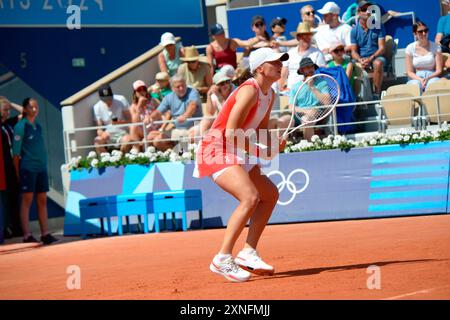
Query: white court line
414, 293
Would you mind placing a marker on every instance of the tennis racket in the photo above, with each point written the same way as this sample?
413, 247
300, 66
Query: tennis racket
314, 100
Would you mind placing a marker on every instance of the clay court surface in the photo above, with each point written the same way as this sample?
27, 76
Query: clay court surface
326, 260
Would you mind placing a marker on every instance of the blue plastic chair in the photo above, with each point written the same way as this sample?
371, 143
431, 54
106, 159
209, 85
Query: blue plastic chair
179, 201
136, 204
97, 208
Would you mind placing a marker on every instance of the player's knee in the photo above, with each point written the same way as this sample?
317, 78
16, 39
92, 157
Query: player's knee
251, 199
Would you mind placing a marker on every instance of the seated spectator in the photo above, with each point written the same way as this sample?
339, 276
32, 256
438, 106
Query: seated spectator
278, 27
368, 45
229, 71
351, 14
423, 58
10, 197
196, 73
110, 110
308, 15
337, 51
259, 28
306, 98
30, 162
169, 59
289, 75
161, 88
183, 103
222, 51
443, 29
141, 108
217, 94
333, 30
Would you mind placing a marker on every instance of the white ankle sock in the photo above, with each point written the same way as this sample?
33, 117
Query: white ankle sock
223, 256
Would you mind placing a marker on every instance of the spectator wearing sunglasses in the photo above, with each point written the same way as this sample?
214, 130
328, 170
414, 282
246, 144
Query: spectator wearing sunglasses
368, 46
222, 51
308, 14
170, 58
337, 51
423, 58
260, 30
333, 30
443, 29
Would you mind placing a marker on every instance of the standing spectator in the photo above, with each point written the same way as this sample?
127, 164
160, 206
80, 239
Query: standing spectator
2, 189
443, 29
259, 28
333, 30
337, 50
11, 201
217, 94
110, 110
368, 45
183, 103
289, 75
162, 86
222, 51
30, 162
197, 73
423, 58
169, 58
278, 27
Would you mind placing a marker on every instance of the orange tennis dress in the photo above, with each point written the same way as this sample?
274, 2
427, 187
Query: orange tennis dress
214, 153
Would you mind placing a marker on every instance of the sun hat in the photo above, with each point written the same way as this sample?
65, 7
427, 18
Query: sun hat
167, 38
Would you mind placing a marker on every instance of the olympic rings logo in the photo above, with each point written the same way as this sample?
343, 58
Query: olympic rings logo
287, 183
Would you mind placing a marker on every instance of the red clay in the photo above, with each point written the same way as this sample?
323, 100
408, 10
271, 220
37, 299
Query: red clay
313, 261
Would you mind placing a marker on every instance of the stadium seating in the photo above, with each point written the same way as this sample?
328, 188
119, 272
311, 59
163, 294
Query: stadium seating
437, 108
402, 112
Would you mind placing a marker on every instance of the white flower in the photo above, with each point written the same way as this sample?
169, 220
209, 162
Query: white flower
383, 140
406, 138
403, 131
133, 157
315, 138
117, 153
327, 141
141, 155
92, 154
94, 163
106, 158
104, 154
134, 152
415, 136
151, 149
373, 142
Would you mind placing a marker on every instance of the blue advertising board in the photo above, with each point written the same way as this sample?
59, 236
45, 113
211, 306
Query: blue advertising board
314, 186
102, 13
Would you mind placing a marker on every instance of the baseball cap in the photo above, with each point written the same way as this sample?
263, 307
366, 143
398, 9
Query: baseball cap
162, 76
228, 70
217, 29
278, 21
167, 38
258, 18
262, 55
220, 77
139, 83
363, 4
336, 44
330, 7
105, 91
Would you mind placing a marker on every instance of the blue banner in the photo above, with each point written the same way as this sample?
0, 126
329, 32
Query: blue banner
102, 13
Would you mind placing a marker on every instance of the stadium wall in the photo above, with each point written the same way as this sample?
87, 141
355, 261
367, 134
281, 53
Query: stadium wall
373, 182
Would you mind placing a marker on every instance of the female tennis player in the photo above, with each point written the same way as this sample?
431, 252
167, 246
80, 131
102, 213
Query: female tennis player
248, 108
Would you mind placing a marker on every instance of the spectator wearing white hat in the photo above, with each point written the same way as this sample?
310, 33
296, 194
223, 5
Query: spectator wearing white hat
162, 86
169, 58
217, 94
333, 30
337, 50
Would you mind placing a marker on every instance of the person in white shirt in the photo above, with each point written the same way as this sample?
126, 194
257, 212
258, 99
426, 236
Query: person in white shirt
333, 30
423, 58
289, 75
110, 110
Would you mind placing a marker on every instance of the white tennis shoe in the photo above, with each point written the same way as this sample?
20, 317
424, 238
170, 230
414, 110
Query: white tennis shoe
250, 260
229, 269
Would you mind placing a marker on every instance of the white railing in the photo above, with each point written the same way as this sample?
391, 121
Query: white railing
381, 121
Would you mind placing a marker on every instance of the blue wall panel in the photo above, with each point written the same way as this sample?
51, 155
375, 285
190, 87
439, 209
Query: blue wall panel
314, 186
